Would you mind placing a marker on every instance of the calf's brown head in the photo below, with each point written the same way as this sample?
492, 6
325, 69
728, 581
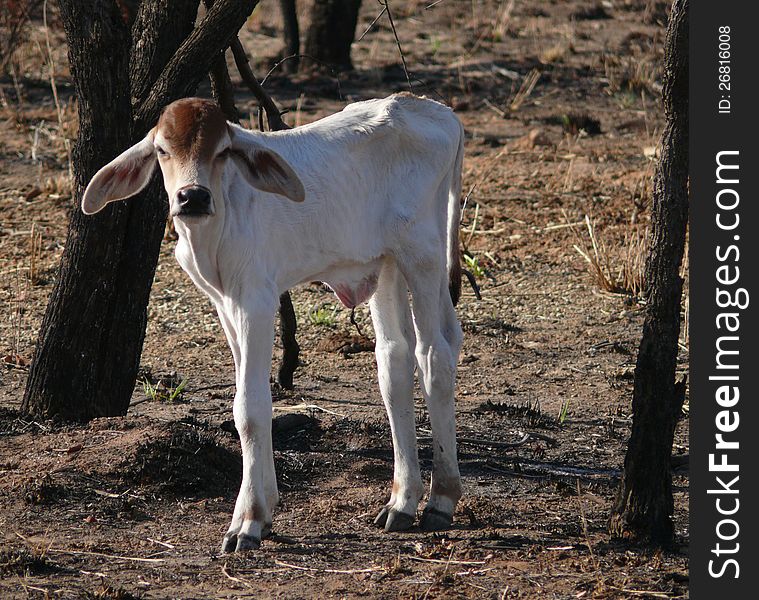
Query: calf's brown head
193, 145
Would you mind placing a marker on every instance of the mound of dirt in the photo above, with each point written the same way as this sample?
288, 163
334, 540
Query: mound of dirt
357, 436
185, 458
42, 490
21, 562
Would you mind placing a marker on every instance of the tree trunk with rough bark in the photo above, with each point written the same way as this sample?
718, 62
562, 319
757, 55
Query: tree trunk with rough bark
87, 355
331, 34
644, 505
291, 34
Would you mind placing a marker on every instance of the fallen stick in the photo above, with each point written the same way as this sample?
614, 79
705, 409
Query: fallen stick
446, 562
103, 555
527, 437
296, 407
340, 571
228, 575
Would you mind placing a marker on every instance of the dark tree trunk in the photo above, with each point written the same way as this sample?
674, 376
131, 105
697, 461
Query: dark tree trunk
332, 31
90, 341
644, 505
159, 28
81, 365
291, 33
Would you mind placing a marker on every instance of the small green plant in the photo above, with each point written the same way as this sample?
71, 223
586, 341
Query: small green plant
325, 316
564, 411
627, 99
473, 264
435, 44
162, 392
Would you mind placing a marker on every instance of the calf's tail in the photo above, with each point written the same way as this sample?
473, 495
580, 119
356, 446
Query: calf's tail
454, 221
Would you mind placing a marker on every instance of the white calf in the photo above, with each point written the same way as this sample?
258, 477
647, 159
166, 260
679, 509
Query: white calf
374, 214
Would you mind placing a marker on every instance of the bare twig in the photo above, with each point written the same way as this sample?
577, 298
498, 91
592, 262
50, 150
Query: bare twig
228, 575
273, 115
527, 437
651, 593
296, 407
386, 4
528, 84
309, 57
54, 88
494, 108
377, 18
103, 555
473, 283
355, 323
446, 562
341, 571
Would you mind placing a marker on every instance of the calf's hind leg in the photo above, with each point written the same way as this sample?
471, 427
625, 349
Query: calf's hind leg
438, 336
395, 366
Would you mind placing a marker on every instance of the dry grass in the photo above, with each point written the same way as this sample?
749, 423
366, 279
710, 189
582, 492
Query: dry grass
502, 19
58, 187
528, 84
35, 252
617, 271
631, 74
553, 54
14, 30
16, 312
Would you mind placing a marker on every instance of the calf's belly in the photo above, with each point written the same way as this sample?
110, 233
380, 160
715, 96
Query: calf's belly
353, 283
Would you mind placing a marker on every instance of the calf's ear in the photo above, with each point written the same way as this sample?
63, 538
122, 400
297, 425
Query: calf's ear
266, 170
121, 178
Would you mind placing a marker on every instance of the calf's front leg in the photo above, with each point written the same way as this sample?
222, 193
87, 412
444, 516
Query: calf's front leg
253, 321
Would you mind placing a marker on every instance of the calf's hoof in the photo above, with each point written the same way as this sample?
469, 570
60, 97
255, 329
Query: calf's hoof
239, 543
381, 518
229, 543
435, 520
393, 520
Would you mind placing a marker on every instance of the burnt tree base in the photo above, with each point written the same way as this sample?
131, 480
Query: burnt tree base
644, 504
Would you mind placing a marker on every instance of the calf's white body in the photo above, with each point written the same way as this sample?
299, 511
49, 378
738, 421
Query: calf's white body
374, 214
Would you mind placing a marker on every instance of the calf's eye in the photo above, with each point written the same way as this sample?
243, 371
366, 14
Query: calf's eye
161, 152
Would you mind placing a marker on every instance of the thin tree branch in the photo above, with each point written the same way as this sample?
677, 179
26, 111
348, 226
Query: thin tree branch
273, 116
221, 83
397, 42
368, 29
309, 57
221, 88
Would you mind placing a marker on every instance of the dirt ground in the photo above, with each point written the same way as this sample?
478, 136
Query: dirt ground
560, 101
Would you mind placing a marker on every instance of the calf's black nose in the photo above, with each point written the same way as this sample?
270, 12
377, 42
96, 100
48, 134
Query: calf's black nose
194, 200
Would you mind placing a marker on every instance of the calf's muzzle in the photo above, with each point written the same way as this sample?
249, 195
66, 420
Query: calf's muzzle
194, 201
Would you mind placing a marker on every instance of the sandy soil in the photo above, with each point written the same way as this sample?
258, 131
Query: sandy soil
136, 507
